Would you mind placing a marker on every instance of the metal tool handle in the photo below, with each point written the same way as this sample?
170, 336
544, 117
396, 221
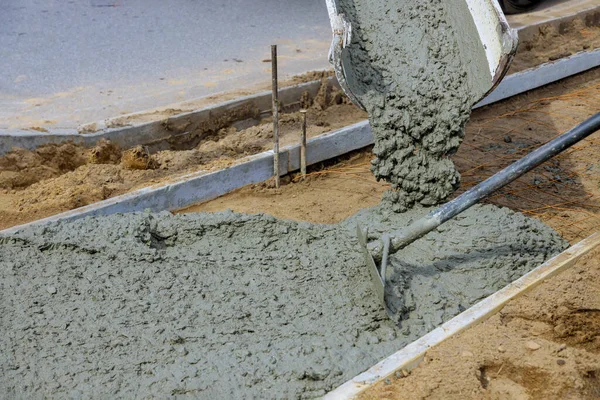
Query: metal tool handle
421, 227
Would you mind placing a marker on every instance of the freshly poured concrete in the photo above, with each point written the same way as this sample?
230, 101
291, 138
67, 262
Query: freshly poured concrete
234, 306
418, 67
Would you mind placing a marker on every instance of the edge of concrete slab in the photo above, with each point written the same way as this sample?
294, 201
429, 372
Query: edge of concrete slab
590, 14
411, 356
204, 185
166, 129
542, 75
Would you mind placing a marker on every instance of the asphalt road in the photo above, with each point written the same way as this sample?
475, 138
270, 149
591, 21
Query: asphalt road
69, 62
79, 61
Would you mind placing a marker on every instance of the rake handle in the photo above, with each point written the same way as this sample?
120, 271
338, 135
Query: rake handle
431, 221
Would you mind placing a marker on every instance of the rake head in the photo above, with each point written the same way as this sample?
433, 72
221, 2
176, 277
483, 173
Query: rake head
377, 274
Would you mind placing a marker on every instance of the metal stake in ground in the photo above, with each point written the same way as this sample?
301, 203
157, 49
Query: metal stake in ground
275, 115
303, 145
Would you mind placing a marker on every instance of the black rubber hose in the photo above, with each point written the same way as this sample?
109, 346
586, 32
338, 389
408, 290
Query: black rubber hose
449, 210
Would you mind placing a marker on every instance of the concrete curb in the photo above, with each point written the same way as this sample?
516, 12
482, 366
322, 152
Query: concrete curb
161, 133
203, 185
542, 75
248, 110
590, 15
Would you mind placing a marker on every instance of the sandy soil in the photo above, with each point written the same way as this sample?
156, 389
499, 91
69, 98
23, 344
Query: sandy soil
348, 182
544, 345
563, 193
552, 43
58, 178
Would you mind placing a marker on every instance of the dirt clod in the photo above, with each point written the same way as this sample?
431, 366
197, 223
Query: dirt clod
21, 168
105, 152
138, 158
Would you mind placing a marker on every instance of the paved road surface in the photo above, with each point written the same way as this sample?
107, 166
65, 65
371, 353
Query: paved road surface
60, 59
68, 62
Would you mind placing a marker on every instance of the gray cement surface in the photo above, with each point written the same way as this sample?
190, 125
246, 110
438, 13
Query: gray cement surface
234, 306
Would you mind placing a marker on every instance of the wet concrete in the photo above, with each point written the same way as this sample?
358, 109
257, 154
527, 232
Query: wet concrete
234, 306
418, 67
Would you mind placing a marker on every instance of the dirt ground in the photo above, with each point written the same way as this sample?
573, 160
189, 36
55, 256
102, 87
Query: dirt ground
543, 345
54, 179
551, 43
563, 193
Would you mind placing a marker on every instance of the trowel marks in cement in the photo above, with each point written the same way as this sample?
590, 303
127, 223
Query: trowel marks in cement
418, 84
233, 306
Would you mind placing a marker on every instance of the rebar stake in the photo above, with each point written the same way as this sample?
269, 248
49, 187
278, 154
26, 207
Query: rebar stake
303, 145
275, 114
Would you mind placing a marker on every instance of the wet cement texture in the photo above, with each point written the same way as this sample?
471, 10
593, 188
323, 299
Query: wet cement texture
418, 84
234, 306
